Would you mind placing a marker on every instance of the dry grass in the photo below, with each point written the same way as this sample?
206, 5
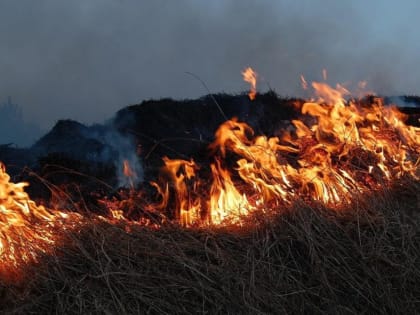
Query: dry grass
363, 260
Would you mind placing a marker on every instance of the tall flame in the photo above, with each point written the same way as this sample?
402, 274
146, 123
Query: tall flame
178, 173
226, 203
250, 76
346, 148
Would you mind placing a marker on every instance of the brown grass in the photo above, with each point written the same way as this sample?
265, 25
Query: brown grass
363, 260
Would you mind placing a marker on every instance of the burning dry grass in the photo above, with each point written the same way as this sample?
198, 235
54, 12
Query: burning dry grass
324, 219
340, 147
308, 260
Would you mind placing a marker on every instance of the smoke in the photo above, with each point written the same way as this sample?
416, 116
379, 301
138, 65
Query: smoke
118, 149
84, 60
403, 101
96, 144
126, 153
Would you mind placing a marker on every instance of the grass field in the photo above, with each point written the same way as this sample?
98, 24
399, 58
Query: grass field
361, 260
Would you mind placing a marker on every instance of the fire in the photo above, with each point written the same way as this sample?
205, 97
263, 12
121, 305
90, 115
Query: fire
303, 82
180, 174
26, 229
250, 76
340, 149
226, 203
129, 173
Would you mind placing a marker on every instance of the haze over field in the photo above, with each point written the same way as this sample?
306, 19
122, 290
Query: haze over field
86, 59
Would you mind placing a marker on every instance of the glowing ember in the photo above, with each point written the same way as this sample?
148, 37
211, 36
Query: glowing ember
250, 76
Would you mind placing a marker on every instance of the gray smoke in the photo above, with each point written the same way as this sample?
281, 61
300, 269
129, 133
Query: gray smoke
84, 59
118, 149
126, 152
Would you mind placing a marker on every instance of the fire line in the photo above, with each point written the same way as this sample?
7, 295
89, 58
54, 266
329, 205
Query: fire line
339, 149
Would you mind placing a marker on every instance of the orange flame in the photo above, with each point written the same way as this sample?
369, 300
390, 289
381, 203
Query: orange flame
340, 148
250, 76
26, 229
129, 173
178, 173
226, 203
346, 149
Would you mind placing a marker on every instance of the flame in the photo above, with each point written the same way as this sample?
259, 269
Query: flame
226, 203
337, 149
129, 173
303, 82
26, 229
250, 76
345, 148
178, 173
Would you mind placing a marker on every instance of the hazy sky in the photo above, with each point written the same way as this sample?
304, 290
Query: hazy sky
85, 59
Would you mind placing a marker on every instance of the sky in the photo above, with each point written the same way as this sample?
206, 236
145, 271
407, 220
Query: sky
86, 59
